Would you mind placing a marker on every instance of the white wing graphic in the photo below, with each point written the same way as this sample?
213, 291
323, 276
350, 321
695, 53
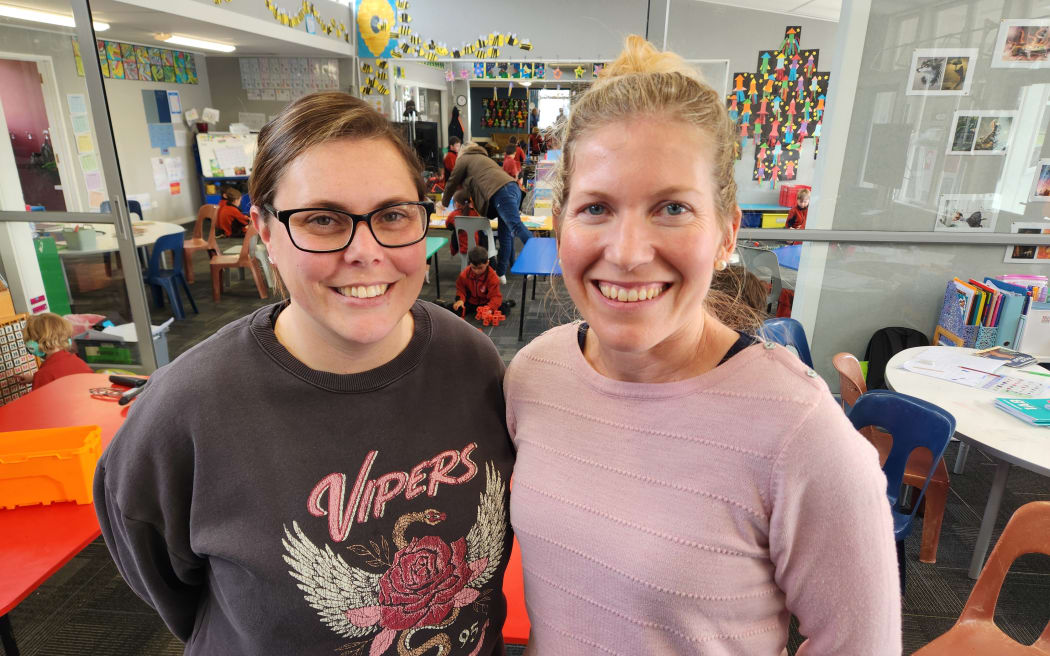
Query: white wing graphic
332, 586
485, 539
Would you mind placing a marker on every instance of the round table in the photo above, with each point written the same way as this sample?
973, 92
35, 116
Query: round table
145, 233
979, 423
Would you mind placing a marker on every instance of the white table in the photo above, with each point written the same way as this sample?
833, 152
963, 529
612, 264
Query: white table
145, 233
979, 423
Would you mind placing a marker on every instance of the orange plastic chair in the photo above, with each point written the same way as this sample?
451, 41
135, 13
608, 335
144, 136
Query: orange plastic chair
516, 628
198, 243
1028, 531
851, 386
243, 260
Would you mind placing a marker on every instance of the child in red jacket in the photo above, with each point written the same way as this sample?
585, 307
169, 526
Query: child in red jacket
49, 336
478, 285
797, 216
229, 220
464, 207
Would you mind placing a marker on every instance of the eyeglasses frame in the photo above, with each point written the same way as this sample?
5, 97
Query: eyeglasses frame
284, 215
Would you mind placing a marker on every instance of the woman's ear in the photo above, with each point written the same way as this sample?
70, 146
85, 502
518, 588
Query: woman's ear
262, 225
729, 239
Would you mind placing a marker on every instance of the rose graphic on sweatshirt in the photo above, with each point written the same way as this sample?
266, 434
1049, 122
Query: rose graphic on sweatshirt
423, 586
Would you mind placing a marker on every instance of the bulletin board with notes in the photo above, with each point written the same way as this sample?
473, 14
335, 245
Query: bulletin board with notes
226, 155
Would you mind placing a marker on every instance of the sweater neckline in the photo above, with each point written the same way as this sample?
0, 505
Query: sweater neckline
625, 389
262, 327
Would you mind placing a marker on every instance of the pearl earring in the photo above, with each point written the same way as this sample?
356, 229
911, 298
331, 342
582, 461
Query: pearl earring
720, 265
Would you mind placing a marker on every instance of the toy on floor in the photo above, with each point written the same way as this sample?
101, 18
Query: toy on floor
488, 316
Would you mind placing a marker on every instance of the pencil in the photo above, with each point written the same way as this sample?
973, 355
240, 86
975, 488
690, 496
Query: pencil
1034, 373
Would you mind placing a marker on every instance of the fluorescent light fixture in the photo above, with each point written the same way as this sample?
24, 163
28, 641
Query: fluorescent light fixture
195, 43
525, 83
22, 13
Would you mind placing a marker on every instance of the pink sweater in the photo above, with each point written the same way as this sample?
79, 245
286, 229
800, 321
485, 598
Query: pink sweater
692, 517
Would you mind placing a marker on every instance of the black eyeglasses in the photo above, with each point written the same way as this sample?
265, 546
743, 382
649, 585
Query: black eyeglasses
324, 230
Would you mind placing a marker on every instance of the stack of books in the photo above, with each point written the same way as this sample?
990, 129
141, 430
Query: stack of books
1033, 411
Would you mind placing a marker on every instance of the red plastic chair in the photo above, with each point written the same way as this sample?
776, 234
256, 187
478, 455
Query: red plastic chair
516, 628
243, 260
851, 386
1028, 531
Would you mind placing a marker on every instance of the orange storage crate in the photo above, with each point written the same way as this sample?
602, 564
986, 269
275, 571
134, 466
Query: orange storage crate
48, 465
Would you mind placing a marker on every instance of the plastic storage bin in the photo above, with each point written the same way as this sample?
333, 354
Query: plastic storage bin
789, 193
80, 240
750, 219
48, 466
119, 345
774, 219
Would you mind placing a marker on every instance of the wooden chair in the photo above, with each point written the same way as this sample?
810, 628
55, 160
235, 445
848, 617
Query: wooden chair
852, 386
242, 260
198, 243
976, 632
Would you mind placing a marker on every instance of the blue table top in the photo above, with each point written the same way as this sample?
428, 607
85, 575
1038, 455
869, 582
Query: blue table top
434, 243
760, 207
788, 256
539, 257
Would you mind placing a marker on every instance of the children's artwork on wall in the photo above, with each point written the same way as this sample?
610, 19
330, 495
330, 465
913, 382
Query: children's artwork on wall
779, 105
981, 132
123, 61
1041, 192
1022, 43
941, 72
1029, 254
116, 62
505, 113
967, 213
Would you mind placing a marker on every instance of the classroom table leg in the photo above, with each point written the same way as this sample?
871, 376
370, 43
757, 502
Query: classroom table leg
991, 514
521, 311
437, 275
7, 636
960, 457
534, 278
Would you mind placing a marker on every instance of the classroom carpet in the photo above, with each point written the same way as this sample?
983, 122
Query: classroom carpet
86, 608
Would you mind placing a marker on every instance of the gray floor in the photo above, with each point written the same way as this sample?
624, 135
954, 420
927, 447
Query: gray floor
85, 608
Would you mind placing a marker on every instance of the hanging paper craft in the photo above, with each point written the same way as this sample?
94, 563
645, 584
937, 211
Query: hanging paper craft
504, 113
778, 106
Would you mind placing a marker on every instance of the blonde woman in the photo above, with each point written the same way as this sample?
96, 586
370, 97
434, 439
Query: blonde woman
294, 484
681, 487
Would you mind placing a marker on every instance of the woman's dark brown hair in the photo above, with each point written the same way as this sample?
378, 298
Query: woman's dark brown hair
315, 119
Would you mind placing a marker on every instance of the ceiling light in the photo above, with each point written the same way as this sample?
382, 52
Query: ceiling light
525, 83
45, 17
195, 43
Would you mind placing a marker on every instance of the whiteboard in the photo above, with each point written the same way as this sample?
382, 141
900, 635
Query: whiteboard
226, 155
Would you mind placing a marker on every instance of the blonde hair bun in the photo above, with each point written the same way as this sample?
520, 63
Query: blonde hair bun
641, 57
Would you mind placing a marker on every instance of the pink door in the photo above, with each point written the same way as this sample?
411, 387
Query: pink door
23, 102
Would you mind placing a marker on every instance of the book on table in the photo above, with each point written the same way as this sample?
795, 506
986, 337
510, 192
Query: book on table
1033, 411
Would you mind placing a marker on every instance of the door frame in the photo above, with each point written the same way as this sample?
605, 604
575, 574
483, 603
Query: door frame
56, 122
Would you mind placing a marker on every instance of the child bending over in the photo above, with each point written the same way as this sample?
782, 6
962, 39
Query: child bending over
478, 285
49, 337
231, 220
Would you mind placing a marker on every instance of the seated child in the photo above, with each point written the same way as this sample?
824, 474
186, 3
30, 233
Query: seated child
49, 336
230, 220
478, 285
510, 161
464, 207
518, 152
797, 216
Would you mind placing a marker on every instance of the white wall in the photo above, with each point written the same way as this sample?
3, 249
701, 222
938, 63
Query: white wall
128, 118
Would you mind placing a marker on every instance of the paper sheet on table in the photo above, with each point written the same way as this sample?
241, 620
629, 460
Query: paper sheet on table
943, 358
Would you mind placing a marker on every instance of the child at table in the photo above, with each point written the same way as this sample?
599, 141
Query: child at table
797, 216
49, 337
463, 207
231, 220
510, 161
478, 285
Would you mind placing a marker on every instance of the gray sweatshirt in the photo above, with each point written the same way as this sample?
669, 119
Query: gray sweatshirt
262, 507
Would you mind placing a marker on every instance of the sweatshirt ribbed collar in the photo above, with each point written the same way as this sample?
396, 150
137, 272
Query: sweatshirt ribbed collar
262, 327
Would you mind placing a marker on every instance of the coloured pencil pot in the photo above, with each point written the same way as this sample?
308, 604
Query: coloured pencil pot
48, 466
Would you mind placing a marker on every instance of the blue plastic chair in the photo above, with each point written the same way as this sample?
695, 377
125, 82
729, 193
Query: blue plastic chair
912, 423
788, 332
163, 280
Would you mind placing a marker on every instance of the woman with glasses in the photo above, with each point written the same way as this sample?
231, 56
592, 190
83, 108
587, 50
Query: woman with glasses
339, 507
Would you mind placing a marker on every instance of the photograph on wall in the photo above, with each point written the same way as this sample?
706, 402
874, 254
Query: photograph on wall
1029, 254
966, 213
941, 72
1022, 43
1041, 192
981, 132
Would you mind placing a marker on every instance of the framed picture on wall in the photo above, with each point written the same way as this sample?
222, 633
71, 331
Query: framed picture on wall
1022, 43
966, 213
1041, 189
941, 72
986, 132
1029, 254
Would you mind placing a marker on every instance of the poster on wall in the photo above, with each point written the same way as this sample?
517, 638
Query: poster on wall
1022, 43
966, 213
941, 72
1041, 191
1029, 254
375, 20
981, 132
